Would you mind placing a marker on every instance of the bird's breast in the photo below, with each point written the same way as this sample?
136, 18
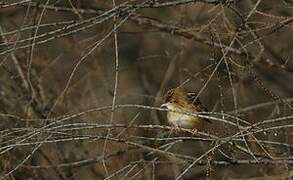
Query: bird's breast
183, 120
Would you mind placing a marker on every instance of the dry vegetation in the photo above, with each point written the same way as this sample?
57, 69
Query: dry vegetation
82, 82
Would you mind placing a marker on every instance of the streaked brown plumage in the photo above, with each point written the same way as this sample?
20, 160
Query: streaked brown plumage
178, 99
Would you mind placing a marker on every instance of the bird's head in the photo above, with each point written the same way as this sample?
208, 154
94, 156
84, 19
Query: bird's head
175, 98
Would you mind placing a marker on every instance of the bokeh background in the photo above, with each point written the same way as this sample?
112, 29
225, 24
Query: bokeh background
81, 83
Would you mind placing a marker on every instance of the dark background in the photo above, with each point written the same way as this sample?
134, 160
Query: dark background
63, 64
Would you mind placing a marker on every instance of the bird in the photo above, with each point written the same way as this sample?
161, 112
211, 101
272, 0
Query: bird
180, 102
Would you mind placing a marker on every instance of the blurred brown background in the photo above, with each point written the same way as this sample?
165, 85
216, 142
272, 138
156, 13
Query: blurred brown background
82, 81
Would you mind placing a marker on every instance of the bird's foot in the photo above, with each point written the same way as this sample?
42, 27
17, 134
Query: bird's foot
193, 131
175, 129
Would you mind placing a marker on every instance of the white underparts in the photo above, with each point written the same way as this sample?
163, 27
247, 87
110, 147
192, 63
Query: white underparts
181, 119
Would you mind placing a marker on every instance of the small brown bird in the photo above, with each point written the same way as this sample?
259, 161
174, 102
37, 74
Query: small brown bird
178, 99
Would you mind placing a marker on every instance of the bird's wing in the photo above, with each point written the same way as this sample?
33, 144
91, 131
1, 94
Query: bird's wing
193, 99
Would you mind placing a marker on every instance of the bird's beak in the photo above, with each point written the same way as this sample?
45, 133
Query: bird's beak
165, 105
